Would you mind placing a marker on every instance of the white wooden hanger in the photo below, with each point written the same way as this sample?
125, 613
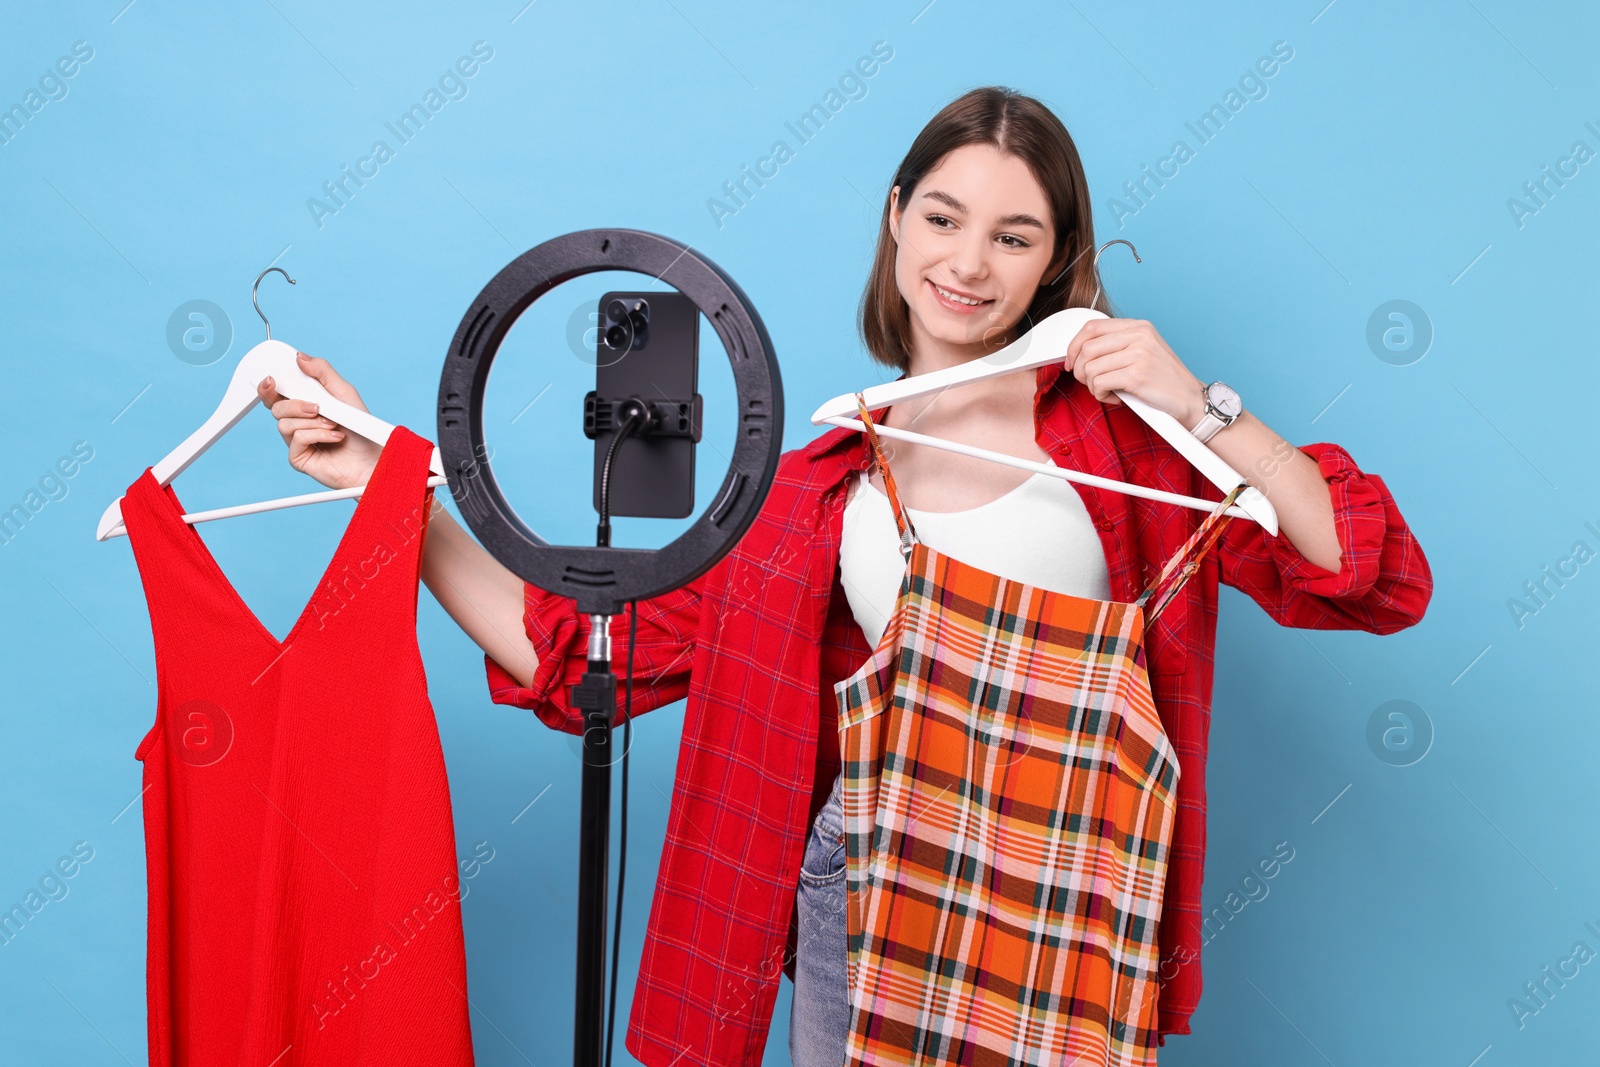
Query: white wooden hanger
276, 360
1044, 344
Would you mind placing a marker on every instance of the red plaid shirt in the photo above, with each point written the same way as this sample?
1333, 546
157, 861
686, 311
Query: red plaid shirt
757, 642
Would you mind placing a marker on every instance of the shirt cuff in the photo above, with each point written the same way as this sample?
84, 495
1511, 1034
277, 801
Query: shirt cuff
1359, 519
555, 628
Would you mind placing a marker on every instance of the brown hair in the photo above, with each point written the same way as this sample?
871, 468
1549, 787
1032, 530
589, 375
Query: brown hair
1023, 127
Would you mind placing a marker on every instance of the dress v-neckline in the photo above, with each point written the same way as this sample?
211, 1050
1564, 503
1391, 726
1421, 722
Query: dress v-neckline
202, 552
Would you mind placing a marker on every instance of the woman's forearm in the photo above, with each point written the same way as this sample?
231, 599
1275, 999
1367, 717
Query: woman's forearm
479, 592
1290, 479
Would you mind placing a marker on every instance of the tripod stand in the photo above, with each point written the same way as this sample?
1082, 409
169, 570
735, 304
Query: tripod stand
603, 578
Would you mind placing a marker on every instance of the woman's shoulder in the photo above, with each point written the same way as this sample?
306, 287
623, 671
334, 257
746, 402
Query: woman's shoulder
819, 463
799, 495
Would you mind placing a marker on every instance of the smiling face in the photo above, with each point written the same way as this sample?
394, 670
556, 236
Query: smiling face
974, 244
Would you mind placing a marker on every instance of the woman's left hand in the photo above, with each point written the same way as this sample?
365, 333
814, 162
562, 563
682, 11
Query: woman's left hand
1128, 354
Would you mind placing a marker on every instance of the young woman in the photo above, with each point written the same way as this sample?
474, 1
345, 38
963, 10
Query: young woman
986, 230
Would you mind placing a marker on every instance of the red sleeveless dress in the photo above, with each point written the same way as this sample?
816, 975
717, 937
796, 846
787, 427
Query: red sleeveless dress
304, 901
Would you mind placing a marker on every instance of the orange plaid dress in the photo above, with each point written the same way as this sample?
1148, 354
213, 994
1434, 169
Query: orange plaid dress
1009, 797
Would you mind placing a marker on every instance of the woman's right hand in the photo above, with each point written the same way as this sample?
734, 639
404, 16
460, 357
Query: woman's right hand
317, 446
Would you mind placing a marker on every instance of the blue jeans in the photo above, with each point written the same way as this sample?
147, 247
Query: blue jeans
819, 1021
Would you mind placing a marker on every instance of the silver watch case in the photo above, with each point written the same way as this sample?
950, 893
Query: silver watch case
1223, 402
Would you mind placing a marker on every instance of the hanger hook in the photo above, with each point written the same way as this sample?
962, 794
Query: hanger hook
285, 273
1099, 286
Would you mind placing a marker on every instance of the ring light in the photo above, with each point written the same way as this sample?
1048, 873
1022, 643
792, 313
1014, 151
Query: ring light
603, 579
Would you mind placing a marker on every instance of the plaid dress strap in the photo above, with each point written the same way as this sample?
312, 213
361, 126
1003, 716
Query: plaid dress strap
1186, 560
908, 533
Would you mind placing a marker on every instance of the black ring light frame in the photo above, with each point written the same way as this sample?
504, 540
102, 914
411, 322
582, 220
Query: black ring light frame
602, 579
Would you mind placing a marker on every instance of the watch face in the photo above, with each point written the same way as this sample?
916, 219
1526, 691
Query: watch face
1224, 399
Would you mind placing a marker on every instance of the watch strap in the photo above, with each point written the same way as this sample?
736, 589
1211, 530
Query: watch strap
1207, 427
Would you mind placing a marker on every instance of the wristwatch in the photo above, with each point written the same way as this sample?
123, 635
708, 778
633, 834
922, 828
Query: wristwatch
1222, 407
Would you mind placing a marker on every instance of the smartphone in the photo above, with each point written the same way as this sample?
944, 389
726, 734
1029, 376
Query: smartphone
648, 345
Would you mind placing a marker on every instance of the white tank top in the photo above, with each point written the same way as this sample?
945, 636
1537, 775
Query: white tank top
1039, 533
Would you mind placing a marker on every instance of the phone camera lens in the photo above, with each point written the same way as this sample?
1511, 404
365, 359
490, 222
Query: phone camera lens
629, 327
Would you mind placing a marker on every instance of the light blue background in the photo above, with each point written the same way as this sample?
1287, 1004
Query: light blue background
1377, 167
